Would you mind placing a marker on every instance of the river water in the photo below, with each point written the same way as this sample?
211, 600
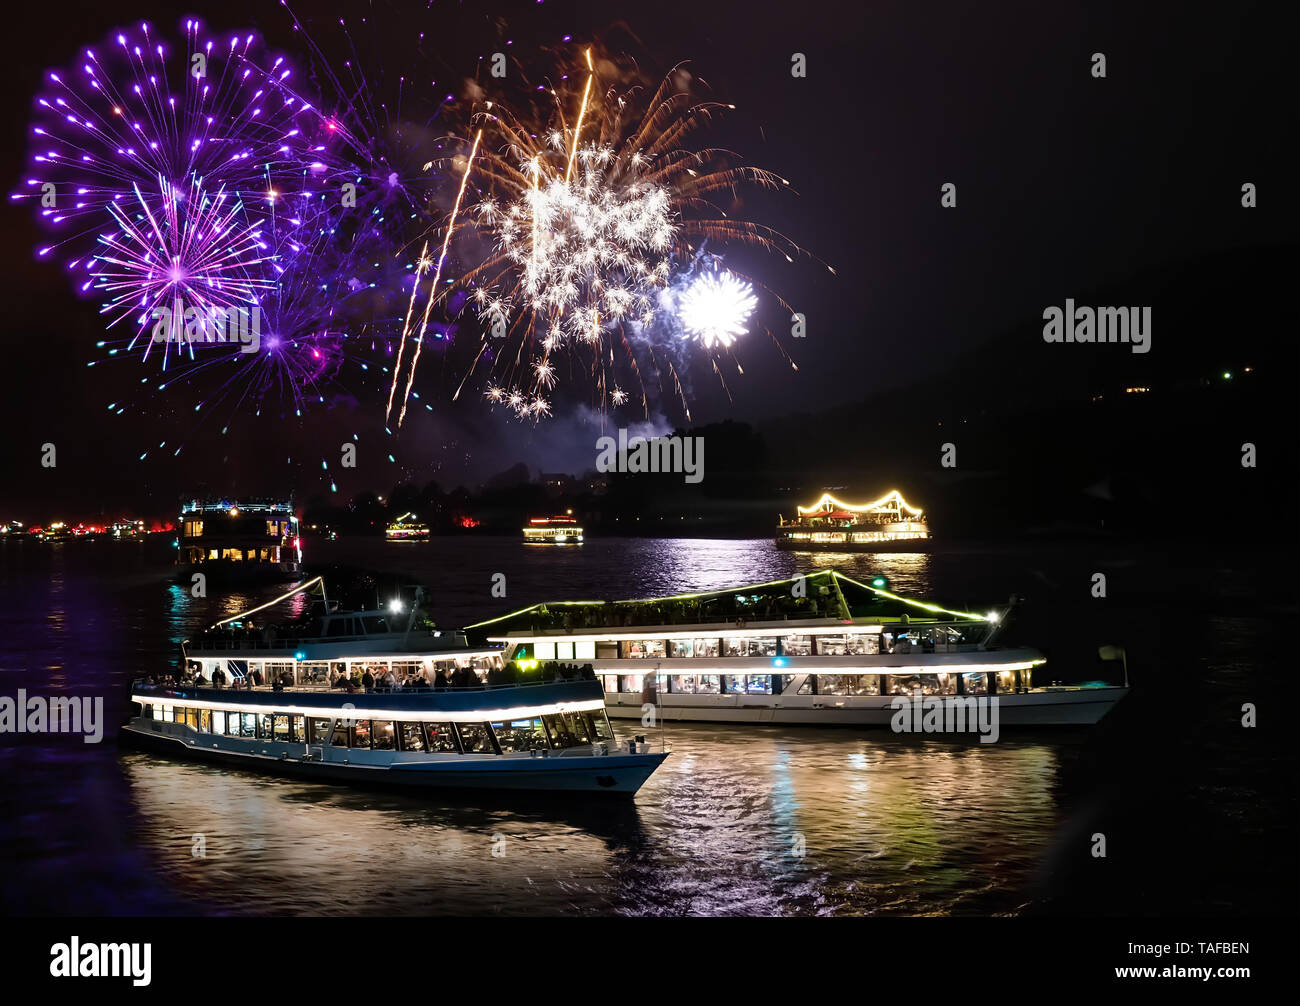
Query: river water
739, 820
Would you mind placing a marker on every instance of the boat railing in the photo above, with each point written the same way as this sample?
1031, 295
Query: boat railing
452, 689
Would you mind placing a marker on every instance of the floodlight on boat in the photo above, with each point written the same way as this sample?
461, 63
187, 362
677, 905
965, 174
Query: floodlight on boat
395, 606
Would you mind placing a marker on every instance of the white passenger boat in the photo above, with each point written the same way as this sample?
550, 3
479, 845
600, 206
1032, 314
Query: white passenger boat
347, 697
820, 649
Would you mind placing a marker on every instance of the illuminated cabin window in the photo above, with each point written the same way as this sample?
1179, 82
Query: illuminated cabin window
193, 528
411, 736
796, 646
383, 736
852, 643
697, 684
440, 738
521, 735
848, 684
925, 684
749, 646
475, 738
747, 684
644, 648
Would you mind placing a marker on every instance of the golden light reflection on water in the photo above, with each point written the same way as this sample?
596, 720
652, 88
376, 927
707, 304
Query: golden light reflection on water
736, 821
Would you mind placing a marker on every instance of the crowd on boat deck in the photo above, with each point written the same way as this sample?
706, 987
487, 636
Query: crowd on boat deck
359, 680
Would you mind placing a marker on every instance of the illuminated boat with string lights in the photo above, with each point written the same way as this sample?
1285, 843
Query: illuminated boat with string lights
375, 698
239, 540
563, 530
889, 524
407, 528
820, 649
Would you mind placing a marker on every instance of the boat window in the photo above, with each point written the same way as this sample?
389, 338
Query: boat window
646, 648
681, 648
280, 727
584, 650
611, 682
697, 683
476, 738
544, 651
796, 646
749, 646
748, 684
382, 736
218, 721
297, 735
340, 738
411, 736
441, 738
859, 643
598, 726
361, 734
205, 720
809, 687
566, 730
338, 627
376, 623
520, 735
711, 647
848, 684
248, 724
318, 730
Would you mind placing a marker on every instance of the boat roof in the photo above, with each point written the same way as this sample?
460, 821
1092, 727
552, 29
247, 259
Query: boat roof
843, 598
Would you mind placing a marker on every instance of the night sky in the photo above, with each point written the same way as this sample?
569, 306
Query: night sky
1066, 184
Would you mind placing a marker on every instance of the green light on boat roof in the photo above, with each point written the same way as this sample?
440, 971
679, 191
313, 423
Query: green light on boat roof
879, 582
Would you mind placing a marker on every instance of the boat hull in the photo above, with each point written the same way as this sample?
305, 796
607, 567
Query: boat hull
905, 545
616, 773
1048, 708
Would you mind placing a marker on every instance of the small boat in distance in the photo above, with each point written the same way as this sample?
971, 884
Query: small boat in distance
407, 528
821, 649
239, 540
889, 524
553, 531
360, 697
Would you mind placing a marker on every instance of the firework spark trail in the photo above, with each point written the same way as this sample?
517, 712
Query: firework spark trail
433, 286
582, 111
421, 267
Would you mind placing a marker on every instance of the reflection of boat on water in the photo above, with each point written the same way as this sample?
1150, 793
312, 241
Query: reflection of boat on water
889, 524
563, 530
407, 528
821, 649
435, 712
239, 540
